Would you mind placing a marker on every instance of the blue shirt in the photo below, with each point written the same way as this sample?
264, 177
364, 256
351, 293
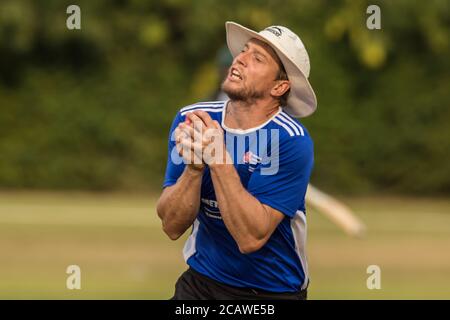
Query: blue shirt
274, 162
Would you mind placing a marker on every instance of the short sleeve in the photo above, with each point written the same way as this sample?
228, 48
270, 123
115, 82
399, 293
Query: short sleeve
284, 189
175, 164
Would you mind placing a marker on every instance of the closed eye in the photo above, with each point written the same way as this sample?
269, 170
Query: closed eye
258, 58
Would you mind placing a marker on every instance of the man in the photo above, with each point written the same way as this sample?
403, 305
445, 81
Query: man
242, 188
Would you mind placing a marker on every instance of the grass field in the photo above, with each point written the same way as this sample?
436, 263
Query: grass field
117, 241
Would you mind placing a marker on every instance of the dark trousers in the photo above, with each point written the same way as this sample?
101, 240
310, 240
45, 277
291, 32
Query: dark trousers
194, 286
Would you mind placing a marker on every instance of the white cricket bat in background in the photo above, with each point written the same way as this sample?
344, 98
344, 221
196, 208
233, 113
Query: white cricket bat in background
336, 211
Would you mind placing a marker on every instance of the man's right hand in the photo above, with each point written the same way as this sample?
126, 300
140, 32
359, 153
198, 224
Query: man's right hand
187, 147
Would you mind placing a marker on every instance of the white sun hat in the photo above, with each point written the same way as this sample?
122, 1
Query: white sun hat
287, 45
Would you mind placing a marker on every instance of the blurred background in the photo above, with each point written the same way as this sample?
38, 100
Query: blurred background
84, 124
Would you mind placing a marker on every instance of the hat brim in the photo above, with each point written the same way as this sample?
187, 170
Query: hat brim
302, 100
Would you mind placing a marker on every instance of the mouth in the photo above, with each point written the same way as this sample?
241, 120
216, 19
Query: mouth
235, 74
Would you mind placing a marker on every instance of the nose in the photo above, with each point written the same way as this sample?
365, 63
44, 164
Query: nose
241, 58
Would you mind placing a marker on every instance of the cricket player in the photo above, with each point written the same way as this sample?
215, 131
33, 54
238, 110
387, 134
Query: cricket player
237, 174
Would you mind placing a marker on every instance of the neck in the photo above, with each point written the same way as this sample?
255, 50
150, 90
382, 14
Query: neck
245, 115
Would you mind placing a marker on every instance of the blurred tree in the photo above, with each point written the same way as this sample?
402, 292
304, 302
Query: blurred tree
91, 108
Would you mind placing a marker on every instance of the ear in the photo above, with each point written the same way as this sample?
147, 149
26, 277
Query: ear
280, 88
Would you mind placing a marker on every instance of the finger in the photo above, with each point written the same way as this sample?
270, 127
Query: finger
217, 125
210, 135
179, 149
184, 149
178, 134
187, 119
191, 117
196, 146
215, 132
206, 118
198, 123
192, 151
187, 130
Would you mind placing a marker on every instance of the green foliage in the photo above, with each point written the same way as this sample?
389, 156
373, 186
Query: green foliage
91, 108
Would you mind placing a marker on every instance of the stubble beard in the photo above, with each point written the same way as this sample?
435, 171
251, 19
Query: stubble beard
243, 94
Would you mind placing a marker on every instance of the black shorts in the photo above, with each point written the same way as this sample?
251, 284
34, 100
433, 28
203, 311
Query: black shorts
194, 286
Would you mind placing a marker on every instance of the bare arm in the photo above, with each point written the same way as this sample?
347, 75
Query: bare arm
250, 222
179, 204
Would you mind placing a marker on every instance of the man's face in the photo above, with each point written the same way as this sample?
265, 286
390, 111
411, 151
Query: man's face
253, 72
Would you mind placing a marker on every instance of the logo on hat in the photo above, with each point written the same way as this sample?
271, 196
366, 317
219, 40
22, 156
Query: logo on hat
275, 30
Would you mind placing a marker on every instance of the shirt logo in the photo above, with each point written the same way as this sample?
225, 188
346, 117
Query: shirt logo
252, 160
211, 208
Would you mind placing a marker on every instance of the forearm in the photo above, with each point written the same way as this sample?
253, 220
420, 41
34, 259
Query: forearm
179, 204
244, 216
